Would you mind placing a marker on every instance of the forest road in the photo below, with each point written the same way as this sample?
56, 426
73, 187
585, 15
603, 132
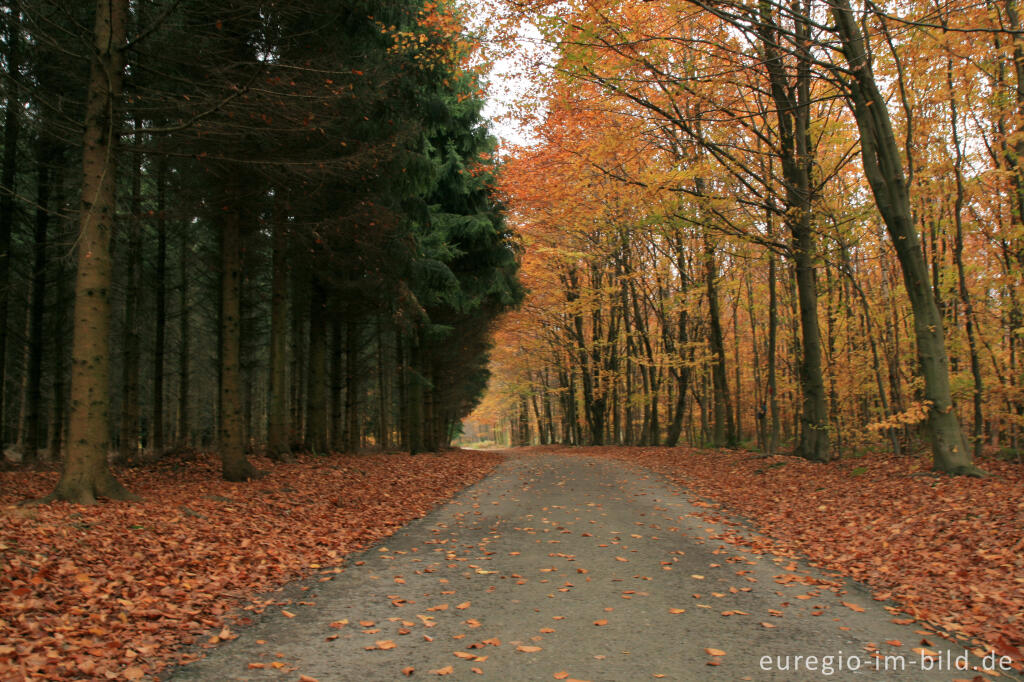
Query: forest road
565, 567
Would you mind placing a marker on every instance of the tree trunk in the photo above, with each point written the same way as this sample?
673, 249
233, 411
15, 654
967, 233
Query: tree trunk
129, 432
792, 112
159, 344
34, 436
299, 292
884, 171
8, 178
316, 406
278, 427
352, 433
86, 475
724, 429
234, 464
772, 436
184, 354
383, 389
59, 352
958, 257
337, 386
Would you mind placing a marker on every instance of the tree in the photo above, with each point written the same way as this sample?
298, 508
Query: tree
85, 475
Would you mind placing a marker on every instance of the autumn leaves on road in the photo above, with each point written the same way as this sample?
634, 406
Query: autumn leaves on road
563, 568
561, 564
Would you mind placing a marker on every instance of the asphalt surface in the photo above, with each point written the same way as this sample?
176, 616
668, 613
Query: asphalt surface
562, 567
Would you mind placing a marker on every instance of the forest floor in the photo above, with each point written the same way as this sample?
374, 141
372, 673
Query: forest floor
114, 591
582, 568
562, 564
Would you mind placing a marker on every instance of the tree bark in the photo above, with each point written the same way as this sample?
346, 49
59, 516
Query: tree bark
958, 257
278, 427
86, 475
8, 179
792, 111
352, 432
884, 171
33, 395
723, 429
235, 466
316, 405
160, 342
129, 432
184, 331
337, 386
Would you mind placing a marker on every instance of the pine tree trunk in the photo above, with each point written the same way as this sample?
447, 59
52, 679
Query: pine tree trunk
352, 433
278, 446
184, 332
86, 475
316, 405
337, 386
160, 342
234, 464
299, 307
8, 178
129, 432
61, 307
383, 389
33, 394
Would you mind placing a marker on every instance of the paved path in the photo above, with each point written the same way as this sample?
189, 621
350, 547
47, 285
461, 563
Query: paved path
570, 568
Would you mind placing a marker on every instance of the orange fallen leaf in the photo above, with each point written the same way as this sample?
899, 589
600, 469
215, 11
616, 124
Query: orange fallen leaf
447, 670
676, 610
385, 644
561, 675
767, 625
714, 652
601, 622
408, 670
853, 607
528, 648
464, 655
463, 605
287, 614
